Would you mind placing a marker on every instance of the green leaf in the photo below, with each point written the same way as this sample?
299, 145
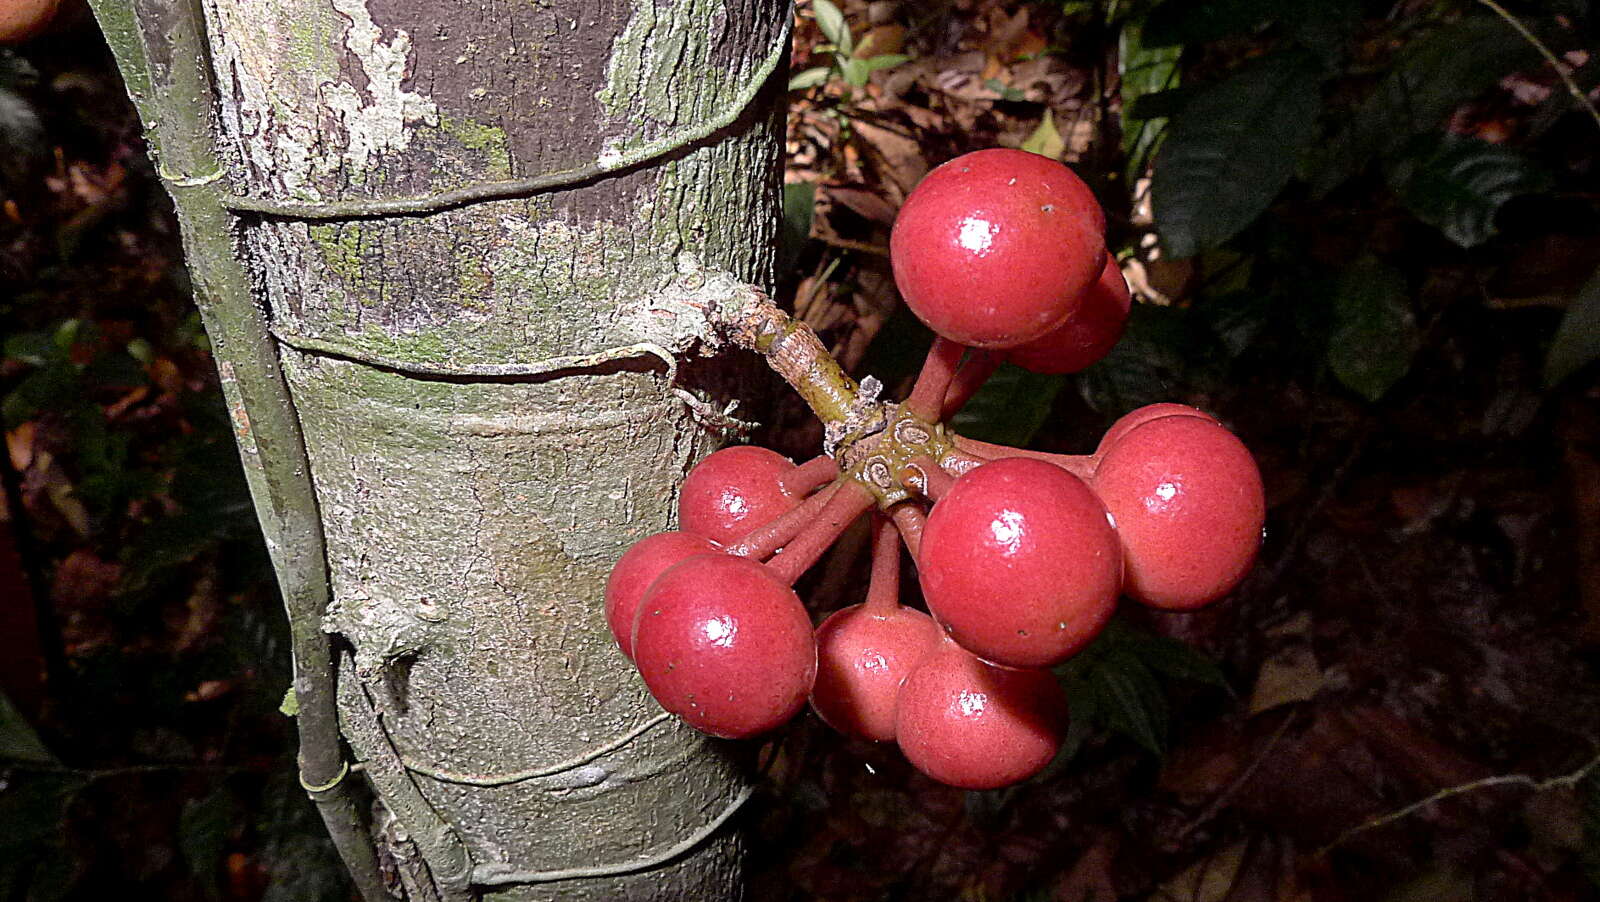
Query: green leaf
1010, 407
1005, 91
290, 706
1143, 71
1374, 334
1147, 365
1163, 104
833, 25
1132, 699
1177, 659
1458, 184
855, 71
886, 61
1431, 78
18, 741
203, 836
1046, 140
799, 208
1577, 341
1232, 149
809, 78
1237, 318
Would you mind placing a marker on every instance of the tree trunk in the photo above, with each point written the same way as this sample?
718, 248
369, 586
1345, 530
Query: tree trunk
441, 213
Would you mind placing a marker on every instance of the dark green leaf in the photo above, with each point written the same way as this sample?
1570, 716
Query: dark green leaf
1146, 366
799, 207
1577, 341
1232, 149
1177, 659
18, 741
1374, 334
203, 835
1237, 318
1432, 77
1458, 184
1163, 104
1132, 699
1325, 27
1177, 22
1010, 407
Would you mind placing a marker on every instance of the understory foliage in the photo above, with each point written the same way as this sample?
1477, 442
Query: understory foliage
1364, 236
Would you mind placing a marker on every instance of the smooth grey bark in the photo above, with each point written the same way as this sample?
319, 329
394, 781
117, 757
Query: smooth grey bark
470, 521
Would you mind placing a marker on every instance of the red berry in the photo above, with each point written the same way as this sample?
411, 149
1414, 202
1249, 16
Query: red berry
725, 646
1020, 563
976, 726
994, 248
734, 491
637, 569
22, 19
862, 658
1186, 498
1089, 333
1141, 415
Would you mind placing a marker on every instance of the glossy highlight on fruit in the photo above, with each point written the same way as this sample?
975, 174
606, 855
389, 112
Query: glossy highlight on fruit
725, 646
1090, 332
862, 659
1187, 500
733, 491
972, 725
995, 248
1020, 563
638, 567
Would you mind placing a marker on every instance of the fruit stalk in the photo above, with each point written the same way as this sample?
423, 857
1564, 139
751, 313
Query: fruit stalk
883, 586
846, 504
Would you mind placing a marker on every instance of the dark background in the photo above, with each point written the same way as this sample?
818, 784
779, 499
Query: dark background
1390, 221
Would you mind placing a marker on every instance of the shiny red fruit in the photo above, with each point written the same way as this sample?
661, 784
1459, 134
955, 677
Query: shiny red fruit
1020, 563
637, 569
976, 726
1090, 332
733, 491
725, 646
1141, 415
994, 248
862, 658
1186, 498
22, 19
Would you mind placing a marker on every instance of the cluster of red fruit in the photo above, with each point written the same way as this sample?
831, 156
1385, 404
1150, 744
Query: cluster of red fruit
1021, 555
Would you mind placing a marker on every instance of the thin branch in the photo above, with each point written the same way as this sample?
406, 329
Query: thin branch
1533, 783
1555, 62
